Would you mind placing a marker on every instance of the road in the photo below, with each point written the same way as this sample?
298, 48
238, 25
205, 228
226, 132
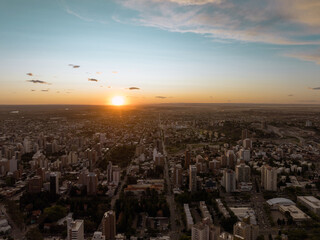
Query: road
175, 229
16, 232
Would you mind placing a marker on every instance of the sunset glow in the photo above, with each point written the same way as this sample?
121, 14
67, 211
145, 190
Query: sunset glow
118, 101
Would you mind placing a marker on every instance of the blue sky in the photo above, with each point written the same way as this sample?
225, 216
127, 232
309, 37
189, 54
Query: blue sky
181, 50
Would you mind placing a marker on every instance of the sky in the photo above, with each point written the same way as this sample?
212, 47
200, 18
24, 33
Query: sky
159, 51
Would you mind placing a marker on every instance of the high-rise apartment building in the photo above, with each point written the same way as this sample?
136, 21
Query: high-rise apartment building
242, 230
243, 173
200, 231
109, 225
269, 178
75, 229
229, 180
192, 178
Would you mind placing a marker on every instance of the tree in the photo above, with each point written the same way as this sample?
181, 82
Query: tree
54, 213
34, 234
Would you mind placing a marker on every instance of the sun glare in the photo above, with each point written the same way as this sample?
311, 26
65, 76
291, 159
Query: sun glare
117, 101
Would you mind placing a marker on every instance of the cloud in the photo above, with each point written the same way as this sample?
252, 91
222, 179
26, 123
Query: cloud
38, 81
282, 22
134, 88
92, 79
161, 97
315, 88
74, 66
45, 90
32, 90
290, 95
29, 74
310, 56
195, 2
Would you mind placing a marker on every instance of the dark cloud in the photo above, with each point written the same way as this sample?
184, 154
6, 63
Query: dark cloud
92, 80
32, 90
74, 66
316, 88
161, 97
29, 74
290, 95
134, 88
38, 81
45, 90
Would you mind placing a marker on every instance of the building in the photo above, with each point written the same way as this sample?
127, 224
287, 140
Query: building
312, 203
228, 180
242, 230
245, 214
159, 160
231, 158
222, 208
189, 218
296, 214
205, 212
109, 225
192, 178
269, 178
116, 175
226, 236
109, 172
214, 232
244, 134
54, 183
214, 165
177, 175
200, 231
187, 159
35, 184
247, 143
98, 236
244, 154
243, 173
92, 183
75, 229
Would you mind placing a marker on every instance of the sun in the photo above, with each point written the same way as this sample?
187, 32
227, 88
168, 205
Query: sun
117, 101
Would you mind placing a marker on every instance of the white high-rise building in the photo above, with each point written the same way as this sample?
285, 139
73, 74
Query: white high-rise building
229, 180
13, 163
200, 231
245, 154
75, 230
98, 236
27, 145
116, 175
243, 173
269, 178
192, 178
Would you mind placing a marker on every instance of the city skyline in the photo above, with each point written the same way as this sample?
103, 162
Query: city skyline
170, 51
